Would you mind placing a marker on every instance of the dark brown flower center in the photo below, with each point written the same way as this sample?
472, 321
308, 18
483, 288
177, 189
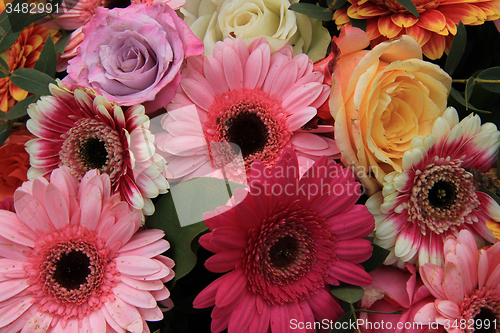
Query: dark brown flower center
247, 130
284, 252
94, 153
442, 194
72, 270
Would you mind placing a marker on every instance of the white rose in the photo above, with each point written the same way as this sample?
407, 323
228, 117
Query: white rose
214, 20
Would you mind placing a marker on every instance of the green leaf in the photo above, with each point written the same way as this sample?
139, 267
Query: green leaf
4, 132
309, 9
46, 63
457, 49
20, 109
348, 293
490, 74
180, 238
377, 259
335, 4
32, 81
61, 43
38, 16
190, 200
10, 28
361, 24
345, 324
410, 6
469, 87
4, 68
460, 99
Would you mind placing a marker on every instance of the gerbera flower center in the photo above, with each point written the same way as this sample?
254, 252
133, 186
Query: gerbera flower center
250, 119
283, 261
94, 153
72, 269
482, 311
443, 196
91, 144
69, 272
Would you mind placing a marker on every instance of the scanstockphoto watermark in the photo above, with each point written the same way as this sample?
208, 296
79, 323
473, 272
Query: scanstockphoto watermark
327, 324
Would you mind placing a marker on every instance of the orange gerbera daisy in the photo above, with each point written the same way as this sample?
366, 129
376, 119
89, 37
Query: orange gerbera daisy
433, 30
22, 54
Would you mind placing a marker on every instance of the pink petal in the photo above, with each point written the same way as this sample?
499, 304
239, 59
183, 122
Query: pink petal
206, 297
56, 206
235, 284
142, 238
432, 276
12, 269
233, 69
223, 261
280, 319
453, 283
90, 203
448, 309
11, 288
153, 314
253, 69
135, 297
426, 314
142, 284
31, 212
350, 273
243, 314
137, 265
40, 322
199, 91
285, 80
214, 73
355, 250
13, 251
125, 228
131, 192
303, 96
97, 322
13, 308
11, 227
300, 118
149, 251
324, 305
124, 315
161, 295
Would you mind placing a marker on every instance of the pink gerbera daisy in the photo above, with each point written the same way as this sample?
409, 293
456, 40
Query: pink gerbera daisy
72, 260
83, 131
284, 241
248, 97
435, 194
467, 289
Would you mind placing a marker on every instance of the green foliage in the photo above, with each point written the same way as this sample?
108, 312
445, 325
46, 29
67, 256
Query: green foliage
32, 81
377, 258
198, 195
308, 9
347, 293
5, 129
456, 50
46, 63
10, 28
489, 79
61, 43
345, 323
410, 6
361, 24
20, 109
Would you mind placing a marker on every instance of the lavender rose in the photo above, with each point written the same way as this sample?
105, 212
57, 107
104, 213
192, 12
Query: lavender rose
133, 55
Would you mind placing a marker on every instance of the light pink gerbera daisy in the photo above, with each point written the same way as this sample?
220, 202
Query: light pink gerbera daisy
435, 195
249, 97
84, 131
282, 244
72, 259
467, 289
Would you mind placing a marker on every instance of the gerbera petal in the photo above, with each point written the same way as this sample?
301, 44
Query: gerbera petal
137, 265
31, 212
135, 297
125, 315
56, 206
231, 289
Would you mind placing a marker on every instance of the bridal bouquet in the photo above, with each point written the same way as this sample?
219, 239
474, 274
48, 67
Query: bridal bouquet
249, 166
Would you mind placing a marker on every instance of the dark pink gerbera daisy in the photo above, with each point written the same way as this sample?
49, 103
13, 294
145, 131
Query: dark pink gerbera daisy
83, 132
282, 244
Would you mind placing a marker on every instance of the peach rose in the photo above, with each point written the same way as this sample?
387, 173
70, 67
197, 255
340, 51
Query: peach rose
15, 163
380, 100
